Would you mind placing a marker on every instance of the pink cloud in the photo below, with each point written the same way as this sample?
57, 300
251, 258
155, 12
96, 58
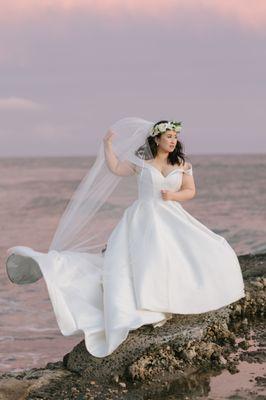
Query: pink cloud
18, 103
250, 14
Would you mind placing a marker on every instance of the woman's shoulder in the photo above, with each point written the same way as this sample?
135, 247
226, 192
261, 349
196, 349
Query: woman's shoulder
187, 166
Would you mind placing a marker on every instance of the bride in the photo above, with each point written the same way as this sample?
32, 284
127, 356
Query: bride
158, 259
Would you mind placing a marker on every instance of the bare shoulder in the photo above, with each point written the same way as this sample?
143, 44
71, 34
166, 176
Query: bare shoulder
187, 168
187, 165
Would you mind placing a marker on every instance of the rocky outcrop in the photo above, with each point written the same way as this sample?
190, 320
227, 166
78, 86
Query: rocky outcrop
152, 359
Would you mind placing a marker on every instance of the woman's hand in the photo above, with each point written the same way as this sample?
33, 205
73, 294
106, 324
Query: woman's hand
108, 138
167, 194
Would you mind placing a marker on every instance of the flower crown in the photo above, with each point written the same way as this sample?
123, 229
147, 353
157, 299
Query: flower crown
163, 126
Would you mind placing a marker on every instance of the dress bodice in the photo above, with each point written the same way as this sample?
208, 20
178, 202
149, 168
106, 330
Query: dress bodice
151, 181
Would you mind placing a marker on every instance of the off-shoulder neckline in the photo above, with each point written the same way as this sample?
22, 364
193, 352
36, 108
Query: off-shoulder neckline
165, 176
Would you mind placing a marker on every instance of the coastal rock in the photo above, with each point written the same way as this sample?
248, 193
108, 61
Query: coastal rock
20, 385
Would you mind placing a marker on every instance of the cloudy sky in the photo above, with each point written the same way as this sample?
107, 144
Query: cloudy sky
70, 68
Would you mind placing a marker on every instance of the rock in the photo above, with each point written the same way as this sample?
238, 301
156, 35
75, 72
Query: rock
223, 360
189, 354
244, 344
116, 378
13, 389
255, 356
257, 284
261, 381
238, 309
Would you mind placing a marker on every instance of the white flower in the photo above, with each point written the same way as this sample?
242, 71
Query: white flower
161, 128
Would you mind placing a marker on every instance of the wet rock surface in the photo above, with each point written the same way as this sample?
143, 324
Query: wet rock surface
174, 361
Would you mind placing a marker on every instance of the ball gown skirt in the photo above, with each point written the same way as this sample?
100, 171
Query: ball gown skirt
159, 260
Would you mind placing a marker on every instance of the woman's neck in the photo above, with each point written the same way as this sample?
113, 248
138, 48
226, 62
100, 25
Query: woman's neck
162, 156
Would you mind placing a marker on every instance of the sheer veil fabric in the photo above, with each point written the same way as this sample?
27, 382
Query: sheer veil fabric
81, 227
136, 280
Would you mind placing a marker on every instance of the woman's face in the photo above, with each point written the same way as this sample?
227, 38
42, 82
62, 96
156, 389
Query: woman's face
167, 141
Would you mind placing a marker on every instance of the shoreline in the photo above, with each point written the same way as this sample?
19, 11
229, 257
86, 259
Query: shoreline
160, 361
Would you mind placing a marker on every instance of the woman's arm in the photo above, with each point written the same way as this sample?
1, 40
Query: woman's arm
121, 168
186, 192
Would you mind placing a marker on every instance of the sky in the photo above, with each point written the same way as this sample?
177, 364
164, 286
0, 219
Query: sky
69, 69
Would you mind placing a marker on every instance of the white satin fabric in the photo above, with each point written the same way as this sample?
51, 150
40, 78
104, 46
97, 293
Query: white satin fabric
159, 260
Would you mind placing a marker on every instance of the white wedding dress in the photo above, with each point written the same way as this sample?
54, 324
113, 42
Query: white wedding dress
159, 260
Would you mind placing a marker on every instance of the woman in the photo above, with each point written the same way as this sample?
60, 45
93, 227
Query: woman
159, 259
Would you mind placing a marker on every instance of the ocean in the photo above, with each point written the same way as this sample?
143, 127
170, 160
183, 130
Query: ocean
230, 200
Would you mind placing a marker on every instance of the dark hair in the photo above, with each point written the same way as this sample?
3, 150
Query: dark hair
175, 157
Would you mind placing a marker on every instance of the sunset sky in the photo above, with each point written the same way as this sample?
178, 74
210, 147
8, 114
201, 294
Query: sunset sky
70, 68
